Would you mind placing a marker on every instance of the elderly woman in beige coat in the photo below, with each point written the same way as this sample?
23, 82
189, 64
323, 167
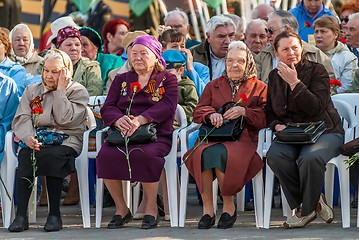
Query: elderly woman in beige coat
63, 106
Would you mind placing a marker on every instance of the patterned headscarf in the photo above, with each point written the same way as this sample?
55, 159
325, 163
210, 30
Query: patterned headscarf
153, 44
65, 33
249, 72
26, 58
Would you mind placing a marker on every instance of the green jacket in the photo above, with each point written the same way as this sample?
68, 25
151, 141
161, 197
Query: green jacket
107, 63
187, 97
88, 73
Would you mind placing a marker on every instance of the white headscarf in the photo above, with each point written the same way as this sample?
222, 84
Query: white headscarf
30, 53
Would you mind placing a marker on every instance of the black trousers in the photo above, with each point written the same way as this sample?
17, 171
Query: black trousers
301, 168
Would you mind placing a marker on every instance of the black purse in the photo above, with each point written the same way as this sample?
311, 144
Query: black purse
144, 134
230, 130
301, 133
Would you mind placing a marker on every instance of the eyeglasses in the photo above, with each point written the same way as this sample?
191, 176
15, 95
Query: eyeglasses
231, 61
271, 31
346, 19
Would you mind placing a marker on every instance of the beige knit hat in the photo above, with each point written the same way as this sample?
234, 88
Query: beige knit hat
130, 37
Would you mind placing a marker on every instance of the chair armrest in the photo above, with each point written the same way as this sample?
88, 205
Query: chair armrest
100, 138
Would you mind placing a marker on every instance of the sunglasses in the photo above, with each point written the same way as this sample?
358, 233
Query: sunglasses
346, 19
271, 31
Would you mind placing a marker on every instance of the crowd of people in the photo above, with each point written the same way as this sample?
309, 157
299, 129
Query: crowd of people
275, 70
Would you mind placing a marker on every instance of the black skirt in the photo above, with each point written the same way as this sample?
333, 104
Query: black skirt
51, 160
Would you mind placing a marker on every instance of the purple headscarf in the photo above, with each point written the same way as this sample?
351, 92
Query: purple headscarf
153, 44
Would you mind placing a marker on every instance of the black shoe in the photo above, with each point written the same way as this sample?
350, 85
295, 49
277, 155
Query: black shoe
149, 222
53, 223
354, 203
206, 221
118, 222
19, 224
227, 221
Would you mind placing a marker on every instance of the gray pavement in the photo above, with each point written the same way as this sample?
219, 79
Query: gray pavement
244, 228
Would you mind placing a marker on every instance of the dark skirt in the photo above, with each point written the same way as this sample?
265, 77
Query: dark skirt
52, 160
214, 156
146, 165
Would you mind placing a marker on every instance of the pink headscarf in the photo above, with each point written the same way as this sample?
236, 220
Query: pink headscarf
153, 44
65, 33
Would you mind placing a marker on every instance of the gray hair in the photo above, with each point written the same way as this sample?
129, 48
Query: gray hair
256, 22
286, 19
237, 45
219, 20
180, 12
61, 57
354, 16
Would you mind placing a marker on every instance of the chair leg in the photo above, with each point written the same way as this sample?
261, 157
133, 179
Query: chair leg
183, 196
241, 199
99, 201
329, 183
215, 195
82, 175
268, 196
344, 192
258, 198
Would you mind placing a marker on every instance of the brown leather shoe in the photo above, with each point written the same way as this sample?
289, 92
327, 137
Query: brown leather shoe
296, 222
325, 212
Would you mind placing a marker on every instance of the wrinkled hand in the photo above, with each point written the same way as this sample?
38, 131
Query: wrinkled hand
162, 28
135, 125
216, 119
64, 79
234, 112
289, 74
279, 127
32, 143
124, 124
189, 63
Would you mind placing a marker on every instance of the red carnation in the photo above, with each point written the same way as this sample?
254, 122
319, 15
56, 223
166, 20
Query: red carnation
343, 40
244, 98
308, 24
334, 82
37, 111
136, 87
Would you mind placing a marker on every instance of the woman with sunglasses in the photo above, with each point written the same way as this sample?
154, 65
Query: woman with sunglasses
346, 10
326, 34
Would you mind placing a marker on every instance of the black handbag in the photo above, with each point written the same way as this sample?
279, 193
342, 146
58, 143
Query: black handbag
230, 130
144, 134
301, 133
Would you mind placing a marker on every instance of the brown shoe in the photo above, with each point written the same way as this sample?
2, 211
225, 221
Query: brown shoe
324, 211
296, 222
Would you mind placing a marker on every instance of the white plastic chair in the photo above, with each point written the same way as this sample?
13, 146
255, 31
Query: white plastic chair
347, 113
353, 100
10, 163
257, 182
171, 175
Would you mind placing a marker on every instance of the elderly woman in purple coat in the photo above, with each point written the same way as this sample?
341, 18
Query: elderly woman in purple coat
156, 102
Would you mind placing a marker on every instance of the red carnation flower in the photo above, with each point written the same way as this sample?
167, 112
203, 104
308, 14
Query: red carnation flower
244, 98
308, 24
343, 40
334, 82
136, 87
37, 111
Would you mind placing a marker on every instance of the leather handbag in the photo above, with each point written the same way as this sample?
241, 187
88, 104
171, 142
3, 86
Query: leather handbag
230, 130
350, 148
301, 133
144, 134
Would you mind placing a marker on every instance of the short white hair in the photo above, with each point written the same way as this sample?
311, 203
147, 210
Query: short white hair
237, 45
354, 16
264, 6
180, 12
219, 20
256, 22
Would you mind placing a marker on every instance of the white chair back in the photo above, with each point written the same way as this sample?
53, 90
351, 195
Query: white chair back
348, 118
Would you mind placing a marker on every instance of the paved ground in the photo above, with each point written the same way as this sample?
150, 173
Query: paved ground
244, 228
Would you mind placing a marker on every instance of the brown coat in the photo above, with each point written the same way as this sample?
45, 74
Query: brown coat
243, 163
308, 102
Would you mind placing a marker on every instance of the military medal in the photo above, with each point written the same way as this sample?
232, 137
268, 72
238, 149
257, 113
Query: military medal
124, 89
